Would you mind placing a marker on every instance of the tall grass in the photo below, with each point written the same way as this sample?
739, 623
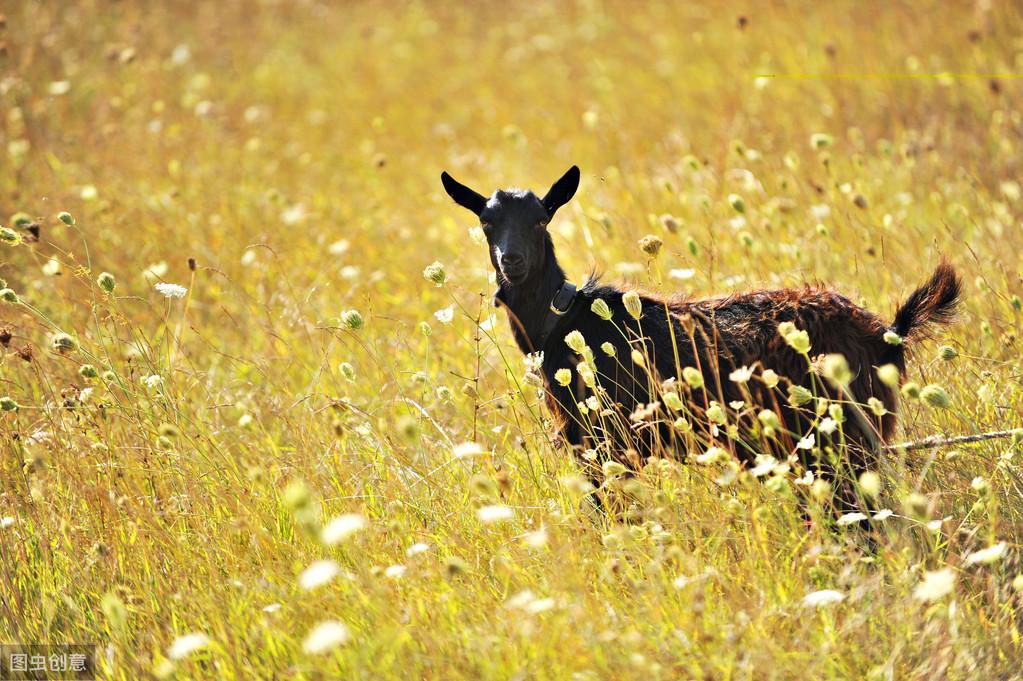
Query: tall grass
268, 477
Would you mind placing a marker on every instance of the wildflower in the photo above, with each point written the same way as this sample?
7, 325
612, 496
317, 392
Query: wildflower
836, 412
892, 338
467, 450
807, 442
601, 309
342, 527
769, 418
935, 396
770, 378
935, 585
798, 395
870, 483
876, 406
63, 342
563, 376
8, 404
712, 455
850, 518
828, 426
682, 274
947, 353
683, 426
9, 296
797, 339
152, 381
494, 513
352, 319
825, 597
911, 390
651, 245
741, 375
836, 369
575, 341
416, 549
9, 236
66, 218
536, 539
585, 372
435, 273
106, 282
883, 514
820, 140
88, 371
324, 637
52, 267
319, 573
633, 304
692, 377
672, 400
716, 414
183, 646
737, 203
608, 349
170, 290
889, 375
991, 554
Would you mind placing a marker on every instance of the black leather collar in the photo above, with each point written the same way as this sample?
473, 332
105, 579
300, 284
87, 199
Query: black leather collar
557, 311
560, 305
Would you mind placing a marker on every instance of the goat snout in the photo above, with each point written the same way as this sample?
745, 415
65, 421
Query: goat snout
513, 264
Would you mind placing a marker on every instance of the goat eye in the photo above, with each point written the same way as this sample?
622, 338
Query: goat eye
541, 224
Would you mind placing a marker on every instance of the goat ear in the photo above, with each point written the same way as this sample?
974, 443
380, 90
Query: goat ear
562, 191
462, 195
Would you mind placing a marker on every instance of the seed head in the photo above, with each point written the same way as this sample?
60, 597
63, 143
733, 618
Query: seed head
892, 338
352, 319
66, 218
911, 390
633, 304
563, 376
63, 342
651, 245
798, 395
877, 406
9, 296
601, 309
435, 273
608, 349
672, 400
947, 353
935, 396
797, 339
820, 140
889, 375
692, 377
836, 369
347, 370
770, 378
106, 282
716, 414
870, 483
88, 371
9, 236
8, 404
737, 203
575, 341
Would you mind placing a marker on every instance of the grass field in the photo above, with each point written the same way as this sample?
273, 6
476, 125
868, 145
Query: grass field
239, 484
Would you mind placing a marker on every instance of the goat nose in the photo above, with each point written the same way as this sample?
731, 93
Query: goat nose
512, 260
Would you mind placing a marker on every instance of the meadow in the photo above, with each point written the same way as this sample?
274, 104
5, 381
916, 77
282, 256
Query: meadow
242, 436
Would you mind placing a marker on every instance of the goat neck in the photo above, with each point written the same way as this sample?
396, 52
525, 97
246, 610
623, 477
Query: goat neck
528, 303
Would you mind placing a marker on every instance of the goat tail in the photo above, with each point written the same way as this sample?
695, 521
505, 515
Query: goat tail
933, 303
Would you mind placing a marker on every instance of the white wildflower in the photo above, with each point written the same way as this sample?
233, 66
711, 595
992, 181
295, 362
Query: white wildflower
170, 290
324, 637
342, 527
319, 573
825, 597
183, 646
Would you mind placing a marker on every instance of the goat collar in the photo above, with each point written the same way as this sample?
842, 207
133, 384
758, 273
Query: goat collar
560, 305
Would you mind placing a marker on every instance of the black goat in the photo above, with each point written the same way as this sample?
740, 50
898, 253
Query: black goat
645, 366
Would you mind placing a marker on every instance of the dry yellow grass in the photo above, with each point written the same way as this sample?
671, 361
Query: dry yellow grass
294, 151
